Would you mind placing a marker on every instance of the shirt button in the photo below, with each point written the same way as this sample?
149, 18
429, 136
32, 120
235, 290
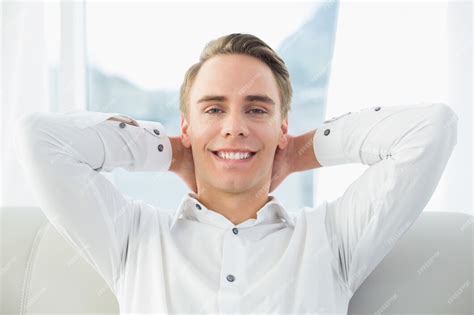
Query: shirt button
235, 230
160, 147
230, 278
156, 131
377, 108
198, 206
326, 132
122, 125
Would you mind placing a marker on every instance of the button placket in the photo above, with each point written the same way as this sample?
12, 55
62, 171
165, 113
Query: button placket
233, 278
233, 248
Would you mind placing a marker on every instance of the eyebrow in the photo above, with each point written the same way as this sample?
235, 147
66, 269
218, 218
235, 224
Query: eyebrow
249, 98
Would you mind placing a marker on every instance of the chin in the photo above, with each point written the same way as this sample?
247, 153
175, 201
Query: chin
240, 186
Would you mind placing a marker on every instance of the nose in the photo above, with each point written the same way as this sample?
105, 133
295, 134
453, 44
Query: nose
234, 124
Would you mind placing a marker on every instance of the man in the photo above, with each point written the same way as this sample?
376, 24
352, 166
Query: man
230, 246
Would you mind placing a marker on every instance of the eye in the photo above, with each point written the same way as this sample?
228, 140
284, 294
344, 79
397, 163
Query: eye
255, 110
211, 109
261, 111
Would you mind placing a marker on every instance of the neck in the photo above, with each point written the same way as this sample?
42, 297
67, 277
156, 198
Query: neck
236, 207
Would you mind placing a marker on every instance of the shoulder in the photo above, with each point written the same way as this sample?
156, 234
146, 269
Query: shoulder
311, 216
148, 218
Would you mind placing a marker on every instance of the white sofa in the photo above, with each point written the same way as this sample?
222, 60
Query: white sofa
430, 270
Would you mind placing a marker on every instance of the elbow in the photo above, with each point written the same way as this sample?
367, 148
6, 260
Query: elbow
444, 123
24, 128
29, 134
444, 114
23, 141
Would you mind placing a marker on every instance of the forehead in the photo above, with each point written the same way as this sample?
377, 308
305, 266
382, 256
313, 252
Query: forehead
234, 76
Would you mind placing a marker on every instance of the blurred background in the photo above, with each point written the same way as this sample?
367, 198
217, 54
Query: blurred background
130, 58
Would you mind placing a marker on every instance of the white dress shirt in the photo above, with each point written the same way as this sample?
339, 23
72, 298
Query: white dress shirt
193, 259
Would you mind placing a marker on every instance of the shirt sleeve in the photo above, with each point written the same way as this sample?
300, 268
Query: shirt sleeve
62, 154
406, 149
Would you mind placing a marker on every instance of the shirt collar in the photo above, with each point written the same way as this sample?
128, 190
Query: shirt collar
191, 208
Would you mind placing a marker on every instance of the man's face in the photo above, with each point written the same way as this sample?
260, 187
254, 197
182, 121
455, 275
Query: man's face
234, 105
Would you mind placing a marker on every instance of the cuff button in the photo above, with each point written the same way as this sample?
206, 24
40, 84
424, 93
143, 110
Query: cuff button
160, 147
377, 108
122, 125
156, 131
326, 132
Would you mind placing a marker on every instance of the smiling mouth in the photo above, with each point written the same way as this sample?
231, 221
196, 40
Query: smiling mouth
251, 155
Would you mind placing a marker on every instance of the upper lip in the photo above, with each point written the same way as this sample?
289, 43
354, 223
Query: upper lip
233, 150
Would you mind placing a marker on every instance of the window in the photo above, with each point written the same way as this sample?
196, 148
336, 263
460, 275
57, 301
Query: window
138, 54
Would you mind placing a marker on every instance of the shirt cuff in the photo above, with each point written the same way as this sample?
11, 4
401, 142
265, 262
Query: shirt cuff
159, 152
147, 140
328, 142
367, 136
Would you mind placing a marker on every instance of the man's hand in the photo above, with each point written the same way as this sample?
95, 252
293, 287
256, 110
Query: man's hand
282, 163
182, 163
297, 156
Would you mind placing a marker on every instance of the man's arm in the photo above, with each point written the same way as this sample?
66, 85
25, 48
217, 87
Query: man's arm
62, 155
406, 149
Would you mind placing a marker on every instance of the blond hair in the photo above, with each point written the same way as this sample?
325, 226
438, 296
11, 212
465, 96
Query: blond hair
246, 44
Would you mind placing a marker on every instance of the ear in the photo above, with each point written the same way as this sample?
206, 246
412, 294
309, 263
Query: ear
184, 131
283, 142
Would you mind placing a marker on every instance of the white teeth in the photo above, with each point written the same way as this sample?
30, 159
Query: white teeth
234, 156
